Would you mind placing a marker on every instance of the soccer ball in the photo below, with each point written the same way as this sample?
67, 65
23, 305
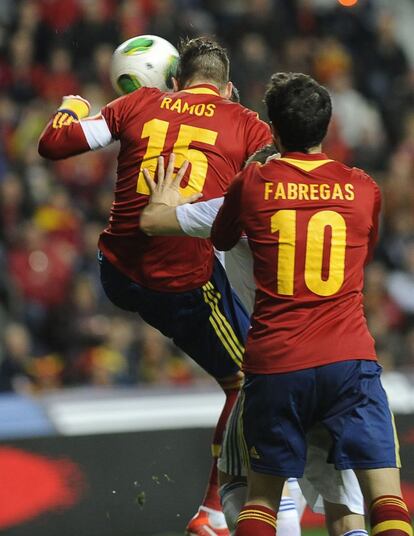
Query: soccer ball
145, 60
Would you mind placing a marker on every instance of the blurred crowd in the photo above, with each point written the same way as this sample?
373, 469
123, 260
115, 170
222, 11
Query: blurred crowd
56, 326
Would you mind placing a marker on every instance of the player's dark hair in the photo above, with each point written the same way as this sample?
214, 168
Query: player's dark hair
204, 59
300, 110
235, 94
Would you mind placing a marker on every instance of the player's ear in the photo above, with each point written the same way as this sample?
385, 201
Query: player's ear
228, 90
175, 84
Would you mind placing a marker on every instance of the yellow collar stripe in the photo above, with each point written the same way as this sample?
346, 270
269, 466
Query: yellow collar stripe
306, 165
202, 91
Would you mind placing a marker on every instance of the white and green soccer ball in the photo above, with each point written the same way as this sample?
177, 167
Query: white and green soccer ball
143, 61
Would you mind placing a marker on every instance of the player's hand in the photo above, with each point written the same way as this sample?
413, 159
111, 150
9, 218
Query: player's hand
75, 104
167, 190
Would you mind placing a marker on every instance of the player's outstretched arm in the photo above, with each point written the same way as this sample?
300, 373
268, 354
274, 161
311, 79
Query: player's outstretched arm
159, 216
71, 132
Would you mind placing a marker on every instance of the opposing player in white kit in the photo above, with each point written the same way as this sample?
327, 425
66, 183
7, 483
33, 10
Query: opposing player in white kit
326, 490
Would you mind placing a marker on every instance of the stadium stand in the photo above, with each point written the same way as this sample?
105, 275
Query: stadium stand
57, 327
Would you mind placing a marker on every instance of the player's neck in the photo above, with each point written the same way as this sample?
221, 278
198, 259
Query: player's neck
312, 150
201, 82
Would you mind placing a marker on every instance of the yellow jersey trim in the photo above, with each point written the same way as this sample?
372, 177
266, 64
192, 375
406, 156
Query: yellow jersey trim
201, 91
306, 165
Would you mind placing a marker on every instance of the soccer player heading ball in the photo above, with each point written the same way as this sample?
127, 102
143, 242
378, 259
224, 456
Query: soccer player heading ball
175, 284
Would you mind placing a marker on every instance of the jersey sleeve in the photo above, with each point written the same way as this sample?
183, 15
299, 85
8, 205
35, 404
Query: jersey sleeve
197, 219
228, 227
113, 114
258, 134
373, 237
62, 137
374, 207
65, 135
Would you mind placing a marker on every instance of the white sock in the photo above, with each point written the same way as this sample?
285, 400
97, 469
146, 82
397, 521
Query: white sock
233, 496
296, 493
356, 532
288, 523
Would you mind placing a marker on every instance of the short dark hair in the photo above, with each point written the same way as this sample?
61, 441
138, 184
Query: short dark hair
202, 58
300, 110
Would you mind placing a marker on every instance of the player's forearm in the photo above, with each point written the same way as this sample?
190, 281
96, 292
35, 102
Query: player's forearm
63, 136
57, 142
71, 131
160, 220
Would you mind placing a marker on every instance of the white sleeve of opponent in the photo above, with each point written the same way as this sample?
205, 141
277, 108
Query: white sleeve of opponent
196, 220
96, 132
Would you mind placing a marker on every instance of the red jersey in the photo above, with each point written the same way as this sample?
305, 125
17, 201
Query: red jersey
311, 223
197, 124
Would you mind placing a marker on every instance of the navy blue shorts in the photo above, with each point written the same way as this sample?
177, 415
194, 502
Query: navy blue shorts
209, 324
347, 397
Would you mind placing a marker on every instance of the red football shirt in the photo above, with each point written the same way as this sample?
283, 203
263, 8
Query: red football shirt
197, 124
311, 224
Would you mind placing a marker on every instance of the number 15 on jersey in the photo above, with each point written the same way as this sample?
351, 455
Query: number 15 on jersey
156, 131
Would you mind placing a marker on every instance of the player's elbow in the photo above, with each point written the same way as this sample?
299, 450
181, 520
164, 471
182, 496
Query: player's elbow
220, 239
220, 243
47, 149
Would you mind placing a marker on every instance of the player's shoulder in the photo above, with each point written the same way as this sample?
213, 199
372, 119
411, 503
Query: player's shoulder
144, 93
243, 111
359, 174
140, 96
252, 173
355, 175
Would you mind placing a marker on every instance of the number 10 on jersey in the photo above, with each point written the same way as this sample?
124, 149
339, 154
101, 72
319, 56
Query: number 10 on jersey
284, 222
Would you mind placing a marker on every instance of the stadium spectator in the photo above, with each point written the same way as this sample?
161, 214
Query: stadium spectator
49, 45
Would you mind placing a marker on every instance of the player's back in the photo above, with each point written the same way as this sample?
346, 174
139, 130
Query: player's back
311, 224
198, 125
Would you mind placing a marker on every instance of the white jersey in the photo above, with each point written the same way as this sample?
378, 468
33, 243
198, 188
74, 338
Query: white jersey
196, 220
